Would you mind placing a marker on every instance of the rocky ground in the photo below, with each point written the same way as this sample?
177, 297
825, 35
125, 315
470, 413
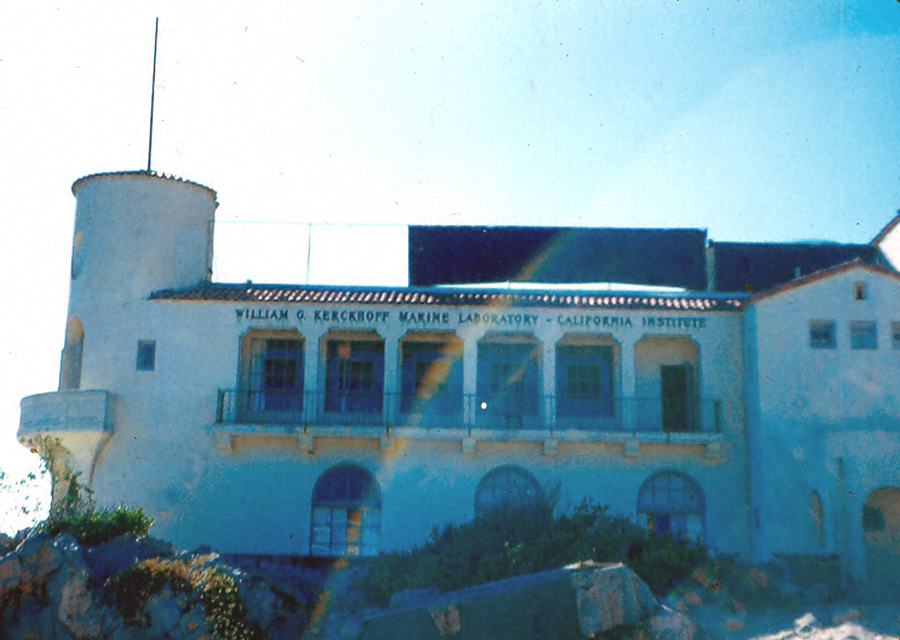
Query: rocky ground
830, 621
56, 589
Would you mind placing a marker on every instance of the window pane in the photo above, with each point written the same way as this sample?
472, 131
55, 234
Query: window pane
863, 335
146, 355
822, 334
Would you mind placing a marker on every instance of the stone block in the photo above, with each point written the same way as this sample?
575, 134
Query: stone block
581, 600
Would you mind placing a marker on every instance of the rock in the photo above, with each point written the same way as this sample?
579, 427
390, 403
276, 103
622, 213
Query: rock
156, 548
672, 625
733, 624
10, 572
259, 600
581, 600
110, 558
806, 624
409, 596
40, 555
78, 609
163, 611
692, 597
850, 615
609, 595
351, 628
7, 544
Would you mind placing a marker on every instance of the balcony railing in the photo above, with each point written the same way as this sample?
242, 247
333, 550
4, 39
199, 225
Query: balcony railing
468, 411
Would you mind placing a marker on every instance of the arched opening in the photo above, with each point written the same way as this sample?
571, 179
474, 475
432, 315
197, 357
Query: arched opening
506, 486
70, 365
881, 538
346, 513
671, 502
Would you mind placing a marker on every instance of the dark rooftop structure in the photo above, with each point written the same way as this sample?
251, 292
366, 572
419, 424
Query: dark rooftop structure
558, 255
745, 266
656, 257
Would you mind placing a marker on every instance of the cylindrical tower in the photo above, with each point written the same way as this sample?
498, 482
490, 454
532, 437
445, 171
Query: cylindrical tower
137, 232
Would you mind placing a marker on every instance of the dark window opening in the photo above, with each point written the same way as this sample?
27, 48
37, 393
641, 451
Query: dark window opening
146, 355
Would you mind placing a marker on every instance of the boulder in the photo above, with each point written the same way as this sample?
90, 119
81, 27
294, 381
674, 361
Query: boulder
578, 601
110, 558
666, 624
411, 596
7, 544
609, 595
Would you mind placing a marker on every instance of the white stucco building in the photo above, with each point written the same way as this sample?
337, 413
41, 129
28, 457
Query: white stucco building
331, 420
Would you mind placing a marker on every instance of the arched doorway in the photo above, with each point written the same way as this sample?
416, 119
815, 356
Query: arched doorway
346, 513
881, 538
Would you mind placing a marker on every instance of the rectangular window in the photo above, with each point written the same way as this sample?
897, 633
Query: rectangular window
895, 335
584, 381
863, 335
355, 379
146, 355
431, 380
822, 334
507, 381
277, 375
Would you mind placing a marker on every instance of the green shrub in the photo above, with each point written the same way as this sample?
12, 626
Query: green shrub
91, 526
514, 541
225, 614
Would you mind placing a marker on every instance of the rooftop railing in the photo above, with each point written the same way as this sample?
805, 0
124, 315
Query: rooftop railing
468, 411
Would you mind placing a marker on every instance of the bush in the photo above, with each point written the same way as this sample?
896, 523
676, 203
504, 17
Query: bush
514, 541
91, 526
225, 614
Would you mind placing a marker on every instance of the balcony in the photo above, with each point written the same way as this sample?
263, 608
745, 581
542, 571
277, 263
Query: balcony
77, 420
278, 410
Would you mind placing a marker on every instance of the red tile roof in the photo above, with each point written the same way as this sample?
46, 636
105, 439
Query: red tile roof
280, 293
856, 263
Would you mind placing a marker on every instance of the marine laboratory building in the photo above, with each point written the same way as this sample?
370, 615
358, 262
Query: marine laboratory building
743, 394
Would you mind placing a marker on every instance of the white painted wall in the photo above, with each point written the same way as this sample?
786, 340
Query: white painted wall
802, 401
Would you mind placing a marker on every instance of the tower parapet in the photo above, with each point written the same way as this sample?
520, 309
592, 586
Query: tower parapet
137, 232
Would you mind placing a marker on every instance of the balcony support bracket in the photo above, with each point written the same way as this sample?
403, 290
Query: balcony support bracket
713, 450
306, 443
551, 447
224, 442
632, 448
468, 446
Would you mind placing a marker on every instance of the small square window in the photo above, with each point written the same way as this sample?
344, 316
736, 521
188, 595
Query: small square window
895, 335
859, 291
822, 334
863, 335
146, 355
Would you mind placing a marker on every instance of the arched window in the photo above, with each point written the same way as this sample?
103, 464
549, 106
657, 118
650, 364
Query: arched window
506, 486
671, 502
816, 517
346, 513
70, 367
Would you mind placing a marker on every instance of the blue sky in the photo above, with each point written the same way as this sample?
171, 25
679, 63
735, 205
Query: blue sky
755, 120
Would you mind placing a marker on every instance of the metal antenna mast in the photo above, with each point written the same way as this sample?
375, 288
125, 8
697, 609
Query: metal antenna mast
152, 94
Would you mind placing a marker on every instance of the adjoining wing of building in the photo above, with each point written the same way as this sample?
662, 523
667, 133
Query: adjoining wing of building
743, 394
